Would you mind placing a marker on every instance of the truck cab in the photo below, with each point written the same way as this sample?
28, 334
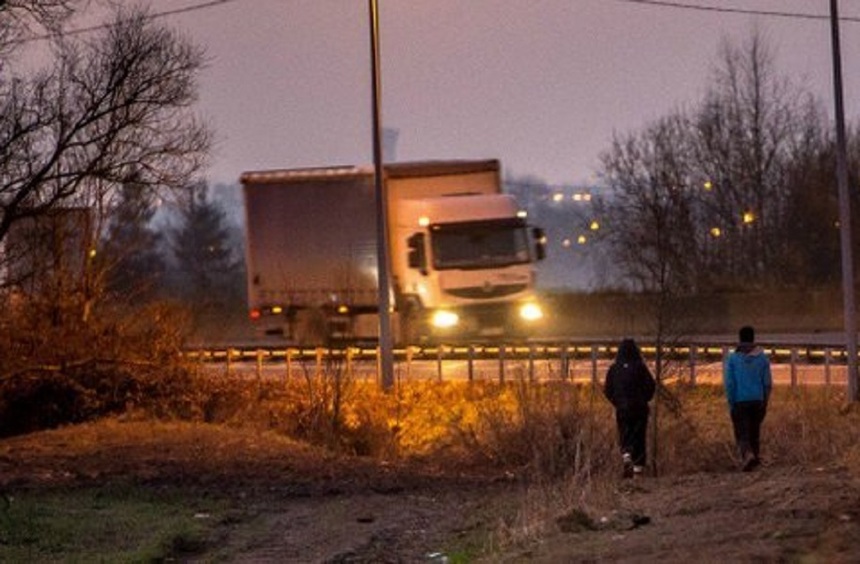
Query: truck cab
465, 265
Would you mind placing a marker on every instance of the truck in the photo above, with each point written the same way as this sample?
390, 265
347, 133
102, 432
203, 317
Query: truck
462, 255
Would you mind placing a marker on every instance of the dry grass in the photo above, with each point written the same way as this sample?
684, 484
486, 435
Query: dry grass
556, 439
554, 442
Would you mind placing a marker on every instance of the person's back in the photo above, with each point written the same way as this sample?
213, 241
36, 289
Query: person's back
629, 385
747, 376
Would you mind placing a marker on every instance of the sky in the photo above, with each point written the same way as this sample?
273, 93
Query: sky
542, 85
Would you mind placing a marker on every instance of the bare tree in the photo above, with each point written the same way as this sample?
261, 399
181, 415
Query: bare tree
649, 216
750, 127
751, 172
111, 109
20, 19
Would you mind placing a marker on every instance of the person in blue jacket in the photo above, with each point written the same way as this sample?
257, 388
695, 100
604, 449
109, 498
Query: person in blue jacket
748, 382
629, 386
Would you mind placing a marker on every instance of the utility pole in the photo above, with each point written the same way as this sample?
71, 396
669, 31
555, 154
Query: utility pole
386, 352
849, 310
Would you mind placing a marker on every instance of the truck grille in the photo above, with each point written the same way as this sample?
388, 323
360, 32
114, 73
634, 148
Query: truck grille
487, 292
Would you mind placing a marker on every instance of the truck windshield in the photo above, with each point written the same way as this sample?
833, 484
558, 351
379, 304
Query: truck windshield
482, 244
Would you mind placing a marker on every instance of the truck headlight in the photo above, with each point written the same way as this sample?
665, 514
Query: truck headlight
444, 319
530, 312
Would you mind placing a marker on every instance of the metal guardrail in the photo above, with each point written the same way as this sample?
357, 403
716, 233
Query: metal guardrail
596, 355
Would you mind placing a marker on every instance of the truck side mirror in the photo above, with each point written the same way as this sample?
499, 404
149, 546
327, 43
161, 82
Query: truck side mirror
417, 257
540, 242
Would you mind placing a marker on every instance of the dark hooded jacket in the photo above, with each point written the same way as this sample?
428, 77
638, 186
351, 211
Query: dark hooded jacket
629, 384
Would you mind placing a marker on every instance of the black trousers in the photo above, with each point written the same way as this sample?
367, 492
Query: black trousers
747, 417
632, 433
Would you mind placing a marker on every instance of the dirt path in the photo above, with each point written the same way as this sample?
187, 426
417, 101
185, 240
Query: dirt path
298, 504
776, 514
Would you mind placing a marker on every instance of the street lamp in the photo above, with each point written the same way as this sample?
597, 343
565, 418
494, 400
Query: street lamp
386, 352
844, 210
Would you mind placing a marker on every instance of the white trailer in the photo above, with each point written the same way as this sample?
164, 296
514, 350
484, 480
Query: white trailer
462, 254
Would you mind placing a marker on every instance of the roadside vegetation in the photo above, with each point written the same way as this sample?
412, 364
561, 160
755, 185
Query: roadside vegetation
553, 442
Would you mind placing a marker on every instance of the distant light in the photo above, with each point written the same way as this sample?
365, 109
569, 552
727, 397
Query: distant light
92, 253
277, 310
581, 239
254, 314
577, 197
522, 214
595, 225
343, 309
586, 197
716, 232
708, 185
748, 217
557, 197
423, 221
565, 242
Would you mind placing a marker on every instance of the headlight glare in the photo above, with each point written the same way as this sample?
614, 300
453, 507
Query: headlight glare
530, 312
444, 319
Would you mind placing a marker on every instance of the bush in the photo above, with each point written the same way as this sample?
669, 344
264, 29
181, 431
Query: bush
57, 369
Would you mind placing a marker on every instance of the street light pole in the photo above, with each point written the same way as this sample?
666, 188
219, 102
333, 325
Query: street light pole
386, 353
849, 312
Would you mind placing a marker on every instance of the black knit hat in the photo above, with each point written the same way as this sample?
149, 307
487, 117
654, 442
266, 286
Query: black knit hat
746, 334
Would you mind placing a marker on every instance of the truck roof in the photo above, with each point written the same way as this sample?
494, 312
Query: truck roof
392, 170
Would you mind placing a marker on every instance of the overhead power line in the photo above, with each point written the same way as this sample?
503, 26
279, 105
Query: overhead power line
163, 14
658, 3
745, 11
